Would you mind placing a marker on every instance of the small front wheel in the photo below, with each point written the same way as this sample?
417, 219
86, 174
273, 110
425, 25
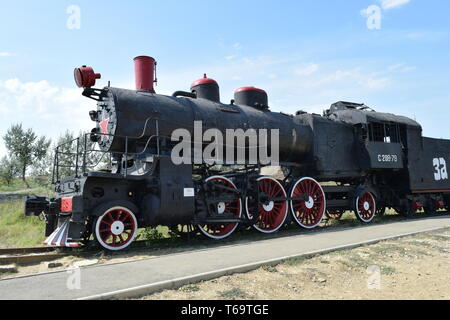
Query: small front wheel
116, 228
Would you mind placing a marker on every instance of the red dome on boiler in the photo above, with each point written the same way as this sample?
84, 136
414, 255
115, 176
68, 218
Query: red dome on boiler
249, 89
251, 97
204, 80
206, 88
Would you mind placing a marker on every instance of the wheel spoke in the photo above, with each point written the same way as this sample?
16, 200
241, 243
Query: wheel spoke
366, 207
234, 208
116, 229
272, 213
309, 212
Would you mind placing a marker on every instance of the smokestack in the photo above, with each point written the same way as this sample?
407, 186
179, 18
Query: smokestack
145, 73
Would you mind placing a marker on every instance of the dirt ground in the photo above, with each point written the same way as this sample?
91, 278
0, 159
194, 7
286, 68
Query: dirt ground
416, 267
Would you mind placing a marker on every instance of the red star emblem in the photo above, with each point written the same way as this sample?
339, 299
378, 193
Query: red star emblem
104, 126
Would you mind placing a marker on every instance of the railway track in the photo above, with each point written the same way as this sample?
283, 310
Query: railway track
10, 251
27, 256
35, 255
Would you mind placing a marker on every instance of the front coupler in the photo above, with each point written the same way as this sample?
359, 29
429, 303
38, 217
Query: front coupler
35, 206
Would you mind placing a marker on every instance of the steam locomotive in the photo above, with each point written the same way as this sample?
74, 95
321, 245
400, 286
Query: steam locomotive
349, 158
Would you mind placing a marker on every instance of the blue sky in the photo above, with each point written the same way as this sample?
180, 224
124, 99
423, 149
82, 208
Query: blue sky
305, 54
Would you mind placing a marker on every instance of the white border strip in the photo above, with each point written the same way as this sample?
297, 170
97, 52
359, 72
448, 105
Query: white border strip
179, 282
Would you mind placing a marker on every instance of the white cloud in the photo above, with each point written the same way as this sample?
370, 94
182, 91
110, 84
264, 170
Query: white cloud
392, 4
396, 66
306, 69
408, 69
356, 76
49, 109
426, 36
402, 67
5, 54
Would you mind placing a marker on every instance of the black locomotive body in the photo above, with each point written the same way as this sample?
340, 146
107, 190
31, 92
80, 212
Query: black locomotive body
349, 158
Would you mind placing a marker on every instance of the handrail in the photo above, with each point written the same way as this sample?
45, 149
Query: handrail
85, 152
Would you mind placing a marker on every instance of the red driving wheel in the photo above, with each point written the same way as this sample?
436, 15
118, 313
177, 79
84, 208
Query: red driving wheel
221, 230
309, 211
273, 213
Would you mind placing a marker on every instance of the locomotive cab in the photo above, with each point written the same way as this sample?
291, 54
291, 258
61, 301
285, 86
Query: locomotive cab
380, 138
382, 145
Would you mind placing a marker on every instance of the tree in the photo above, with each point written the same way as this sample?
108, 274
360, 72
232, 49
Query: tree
66, 147
42, 170
25, 147
9, 169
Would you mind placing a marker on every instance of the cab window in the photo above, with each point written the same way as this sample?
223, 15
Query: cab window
384, 132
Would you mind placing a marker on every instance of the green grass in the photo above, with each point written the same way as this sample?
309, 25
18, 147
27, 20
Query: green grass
233, 294
270, 269
356, 261
34, 182
17, 230
439, 237
158, 235
388, 270
427, 245
16, 184
190, 288
385, 248
298, 260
